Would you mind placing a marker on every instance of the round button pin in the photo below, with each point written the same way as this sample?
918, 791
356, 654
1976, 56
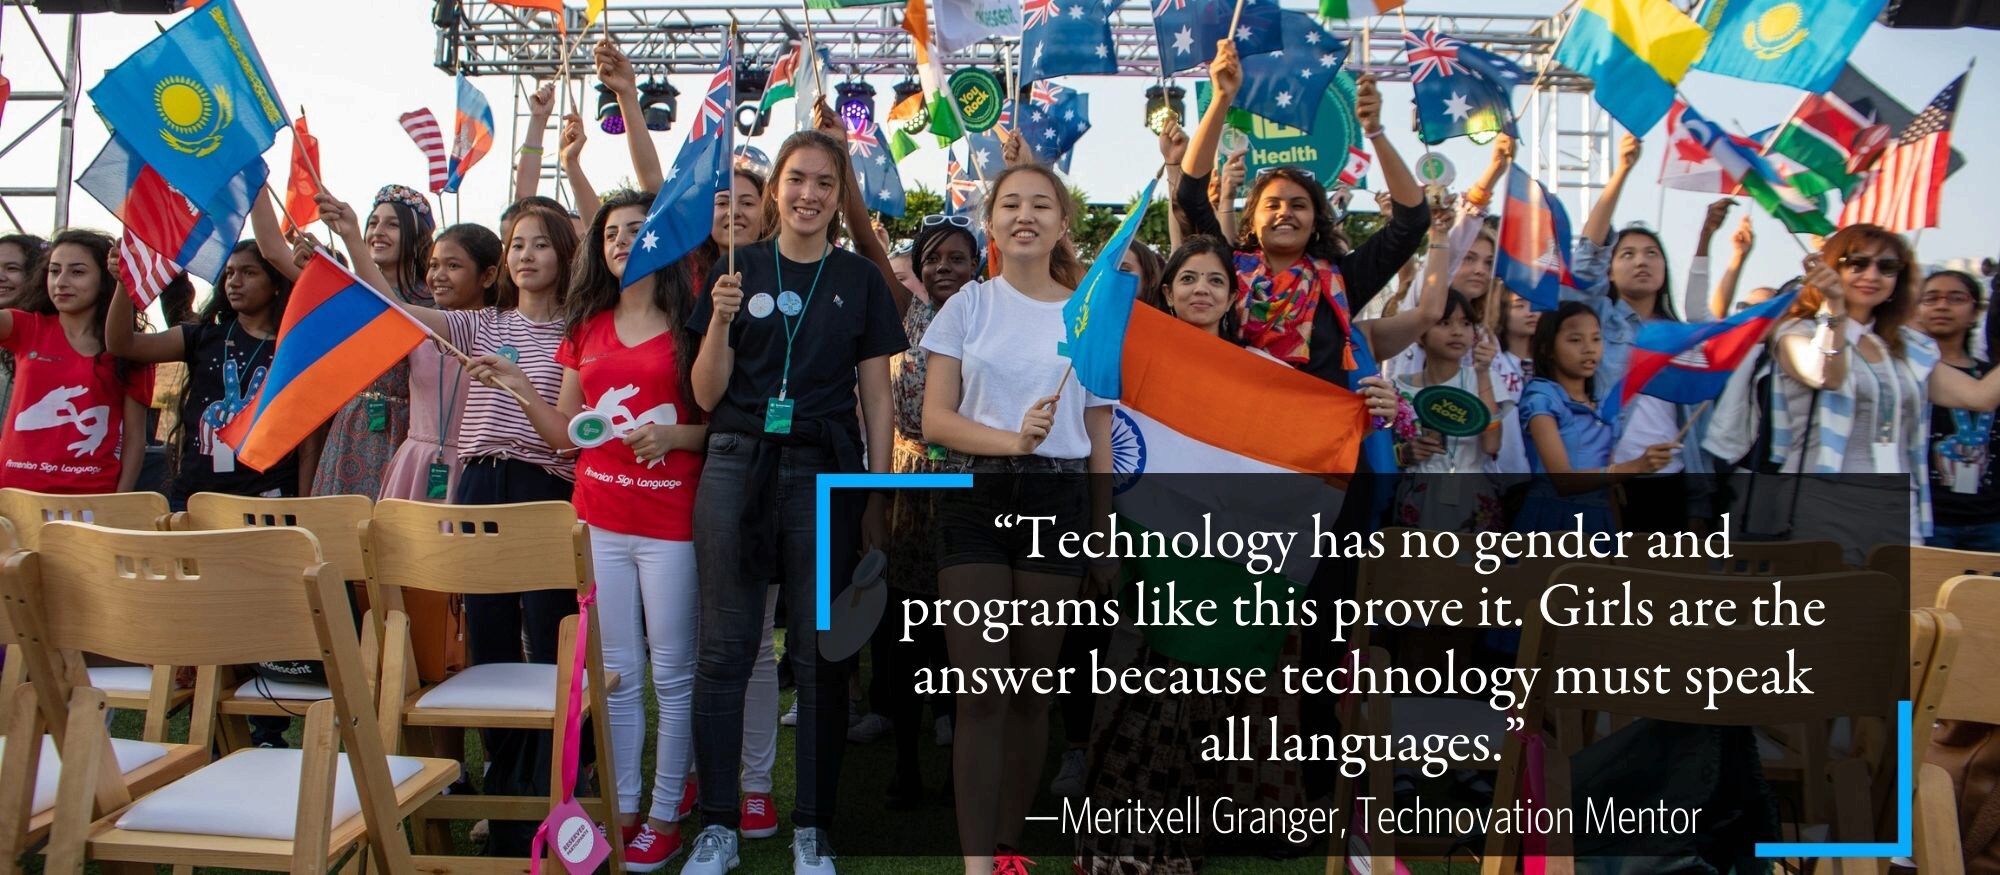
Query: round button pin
790, 304
760, 305
509, 353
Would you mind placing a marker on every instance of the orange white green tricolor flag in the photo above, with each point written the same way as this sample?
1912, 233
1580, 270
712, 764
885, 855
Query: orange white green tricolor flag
1357, 8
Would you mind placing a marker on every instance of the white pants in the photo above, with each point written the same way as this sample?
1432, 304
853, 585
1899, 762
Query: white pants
760, 709
648, 604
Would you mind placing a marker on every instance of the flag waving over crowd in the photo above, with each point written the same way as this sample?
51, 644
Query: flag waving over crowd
1639, 50
1098, 310
684, 211
1690, 362
1908, 183
1803, 45
1066, 38
1830, 143
1799, 213
881, 183
196, 236
1534, 255
1687, 163
423, 129
1189, 29
473, 135
1287, 86
1461, 89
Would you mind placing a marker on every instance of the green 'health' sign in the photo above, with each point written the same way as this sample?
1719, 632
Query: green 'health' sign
1322, 151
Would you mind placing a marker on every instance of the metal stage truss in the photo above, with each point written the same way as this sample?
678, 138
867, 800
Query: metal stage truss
1566, 136
45, 89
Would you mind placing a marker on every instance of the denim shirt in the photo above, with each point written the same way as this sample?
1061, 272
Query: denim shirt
1590, 262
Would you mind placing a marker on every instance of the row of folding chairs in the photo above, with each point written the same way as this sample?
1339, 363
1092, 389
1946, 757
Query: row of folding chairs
237, 581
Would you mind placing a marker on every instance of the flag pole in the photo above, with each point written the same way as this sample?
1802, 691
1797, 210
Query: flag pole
1693, 416
282, 212
1549, 59
819, 75
1013, 85
732, 174
1234, 18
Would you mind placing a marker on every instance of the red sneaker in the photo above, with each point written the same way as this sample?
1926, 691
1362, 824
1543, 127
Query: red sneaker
690, 795
759, 818
1009, 862
649, 851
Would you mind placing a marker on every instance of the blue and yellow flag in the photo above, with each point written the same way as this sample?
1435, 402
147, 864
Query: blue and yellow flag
1094, 319
1637, 52
1801, 43
196, 103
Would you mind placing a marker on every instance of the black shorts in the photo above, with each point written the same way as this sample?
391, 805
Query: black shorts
1019, 486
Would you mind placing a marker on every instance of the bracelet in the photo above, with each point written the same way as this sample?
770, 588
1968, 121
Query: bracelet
1372, 133
1478, 197
531, 150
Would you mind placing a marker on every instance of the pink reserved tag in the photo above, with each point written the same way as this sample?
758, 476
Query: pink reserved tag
575, 838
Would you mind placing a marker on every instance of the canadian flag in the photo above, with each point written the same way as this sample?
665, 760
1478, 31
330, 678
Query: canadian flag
1689, 166
1357, 167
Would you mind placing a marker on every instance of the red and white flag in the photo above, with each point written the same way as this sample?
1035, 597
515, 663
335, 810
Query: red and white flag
1689, 166
1357, 167
424, 131
1908, 183
143, 272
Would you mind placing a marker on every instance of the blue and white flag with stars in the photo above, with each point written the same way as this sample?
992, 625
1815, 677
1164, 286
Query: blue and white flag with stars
875, 170
1287, 86
1057, 118
1461, 89
983, 150
1189, 29
684, 211
1067, 37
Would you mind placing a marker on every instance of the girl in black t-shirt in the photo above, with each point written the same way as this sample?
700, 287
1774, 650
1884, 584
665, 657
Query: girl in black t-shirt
228, 350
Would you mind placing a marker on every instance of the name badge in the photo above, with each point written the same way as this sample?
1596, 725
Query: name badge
1888, 458
378, 414
437, 484
778, 416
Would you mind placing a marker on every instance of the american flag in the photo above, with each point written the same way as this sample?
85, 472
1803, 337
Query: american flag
1039, 12
1432, 53
714, 110
1908, 184
423, 129
143, 272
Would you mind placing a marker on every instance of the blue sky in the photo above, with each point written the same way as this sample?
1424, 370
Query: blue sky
359, 64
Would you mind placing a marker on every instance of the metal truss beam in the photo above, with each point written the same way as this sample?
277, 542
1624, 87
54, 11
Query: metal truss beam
60, 93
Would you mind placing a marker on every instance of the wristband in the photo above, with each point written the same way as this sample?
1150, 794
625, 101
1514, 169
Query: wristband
1372, 133
531, 150
1478, 197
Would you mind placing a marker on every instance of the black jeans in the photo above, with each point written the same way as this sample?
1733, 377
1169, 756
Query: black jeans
732, 625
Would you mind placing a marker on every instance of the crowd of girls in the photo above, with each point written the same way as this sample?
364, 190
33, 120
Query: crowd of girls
796, 342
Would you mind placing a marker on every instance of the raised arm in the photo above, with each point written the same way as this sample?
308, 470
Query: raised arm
587, 202
1389, 335
1226, 74
1699, 304
1820, 361
1725, 288
121, 340
528, 167
1173, 147
1228, 183
614, 69
271, 240
1402, 184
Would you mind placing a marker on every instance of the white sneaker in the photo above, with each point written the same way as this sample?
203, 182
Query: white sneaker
943, 726
1069, 782
810, 853
791, 715
870, 728
714, 852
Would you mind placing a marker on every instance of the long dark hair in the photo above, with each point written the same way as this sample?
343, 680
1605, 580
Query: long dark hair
1890, 316
1663, 303
711, 251
35, 295
31, 248
562, 237
1325, 243
479, 242
1064, 267
843, 172
218, 309
1231, 327
413, 239
596, 290
1152, 273
1542, 346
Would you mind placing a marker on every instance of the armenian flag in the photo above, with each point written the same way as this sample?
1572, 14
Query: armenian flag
1690, 362
1637, 52
338, 336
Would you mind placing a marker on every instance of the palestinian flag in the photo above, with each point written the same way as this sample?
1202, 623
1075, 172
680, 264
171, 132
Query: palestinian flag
1829, 143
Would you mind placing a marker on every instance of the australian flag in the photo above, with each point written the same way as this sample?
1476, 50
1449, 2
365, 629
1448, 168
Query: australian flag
1461, 89
963, 193
984, 153
1286, 86
1688, 363
684, 211
1067, 37
875, 170
1534, 242
1055, 122
1189, 29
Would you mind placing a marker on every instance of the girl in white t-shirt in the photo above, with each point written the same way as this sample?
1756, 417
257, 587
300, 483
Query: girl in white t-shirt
1452, 490
1000, 398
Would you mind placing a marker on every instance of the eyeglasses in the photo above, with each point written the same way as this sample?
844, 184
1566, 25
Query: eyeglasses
935, 219
1858, 263
1956, 299
1288, 168
901, 248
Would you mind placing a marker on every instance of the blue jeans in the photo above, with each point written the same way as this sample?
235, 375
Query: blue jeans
732, 625
1984, 537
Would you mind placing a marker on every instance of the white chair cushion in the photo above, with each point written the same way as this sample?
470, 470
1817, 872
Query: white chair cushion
250, 794
48, 769
122, 678
263, 688
498, 686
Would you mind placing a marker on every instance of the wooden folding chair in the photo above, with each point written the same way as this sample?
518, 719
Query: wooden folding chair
1971, 689
1927, 568
149, 689
1856, 661
488, 550
335, 521
205, 599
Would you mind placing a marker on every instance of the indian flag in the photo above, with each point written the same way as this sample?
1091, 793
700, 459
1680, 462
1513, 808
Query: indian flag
1186, 403
1357, 8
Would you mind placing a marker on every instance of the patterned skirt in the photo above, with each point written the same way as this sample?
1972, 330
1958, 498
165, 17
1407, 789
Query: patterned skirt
913, 523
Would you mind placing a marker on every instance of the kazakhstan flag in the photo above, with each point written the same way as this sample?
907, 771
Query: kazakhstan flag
1095, 317
196, 103
1801, 43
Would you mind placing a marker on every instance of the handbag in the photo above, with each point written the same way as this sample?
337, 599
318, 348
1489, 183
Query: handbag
1970, 753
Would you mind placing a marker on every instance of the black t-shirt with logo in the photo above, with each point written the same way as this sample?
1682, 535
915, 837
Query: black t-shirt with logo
207, 465
1965, 461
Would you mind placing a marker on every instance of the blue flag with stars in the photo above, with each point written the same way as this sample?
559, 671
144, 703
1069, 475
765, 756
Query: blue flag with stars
1189, 29
1066, 37
1287, 86
1461, 89
684, 211
984, 153
875, 169
1057, 118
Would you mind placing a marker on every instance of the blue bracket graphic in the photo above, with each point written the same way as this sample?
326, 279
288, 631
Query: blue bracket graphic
824, 485
1905, 793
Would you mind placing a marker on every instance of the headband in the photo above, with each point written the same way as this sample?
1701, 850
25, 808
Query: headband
409, 197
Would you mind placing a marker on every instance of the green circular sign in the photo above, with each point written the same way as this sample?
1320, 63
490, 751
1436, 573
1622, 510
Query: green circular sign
979, 96
1451, 411
590, 429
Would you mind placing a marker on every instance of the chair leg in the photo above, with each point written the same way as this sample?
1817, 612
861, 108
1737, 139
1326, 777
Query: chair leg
88, 746
17, 767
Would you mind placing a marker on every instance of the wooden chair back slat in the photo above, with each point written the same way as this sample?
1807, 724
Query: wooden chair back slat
1973, 690
485, 549
28, 511
1929, 567
334, 519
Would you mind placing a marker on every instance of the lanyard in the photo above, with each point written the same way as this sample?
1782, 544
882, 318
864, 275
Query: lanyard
446, 409
229, 340
792, 328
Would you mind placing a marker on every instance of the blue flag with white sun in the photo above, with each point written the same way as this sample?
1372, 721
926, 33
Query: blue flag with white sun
1286, 86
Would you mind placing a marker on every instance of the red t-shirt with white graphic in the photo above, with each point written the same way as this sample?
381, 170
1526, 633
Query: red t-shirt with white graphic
66, 424
632, 385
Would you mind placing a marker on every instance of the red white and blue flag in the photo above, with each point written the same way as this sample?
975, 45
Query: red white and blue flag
1534, 242
198, 237
1433, 54
1688, 363
715, 105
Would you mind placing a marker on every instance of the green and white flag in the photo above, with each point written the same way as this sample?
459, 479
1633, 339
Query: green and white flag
1358, 8
961, 23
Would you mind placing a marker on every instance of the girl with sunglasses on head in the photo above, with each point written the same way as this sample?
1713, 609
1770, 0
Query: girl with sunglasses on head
1855, 388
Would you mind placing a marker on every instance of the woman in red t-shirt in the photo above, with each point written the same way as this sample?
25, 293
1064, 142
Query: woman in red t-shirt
626, 357
78, 420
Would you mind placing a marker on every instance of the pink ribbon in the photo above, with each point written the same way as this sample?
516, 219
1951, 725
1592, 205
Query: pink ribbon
1350, 703
573, 720
1534, 845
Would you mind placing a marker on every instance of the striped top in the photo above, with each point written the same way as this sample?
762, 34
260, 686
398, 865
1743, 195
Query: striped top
494, 425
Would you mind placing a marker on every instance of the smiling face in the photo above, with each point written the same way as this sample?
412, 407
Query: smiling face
1638, 267
1579, 346
1026, 216
739, 209
1475, 273
808, 192
247, 285
74, 279
531, 256
1282, 216
1870, 272
621, 232
1198, 293
384, 237
1946, 309
454, 278
947, 266
14, 267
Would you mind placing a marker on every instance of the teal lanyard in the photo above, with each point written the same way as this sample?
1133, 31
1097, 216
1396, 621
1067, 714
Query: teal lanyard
445, 409
791, 327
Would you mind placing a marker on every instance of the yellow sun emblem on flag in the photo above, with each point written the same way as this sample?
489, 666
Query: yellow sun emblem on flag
191, 115
1776, 32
